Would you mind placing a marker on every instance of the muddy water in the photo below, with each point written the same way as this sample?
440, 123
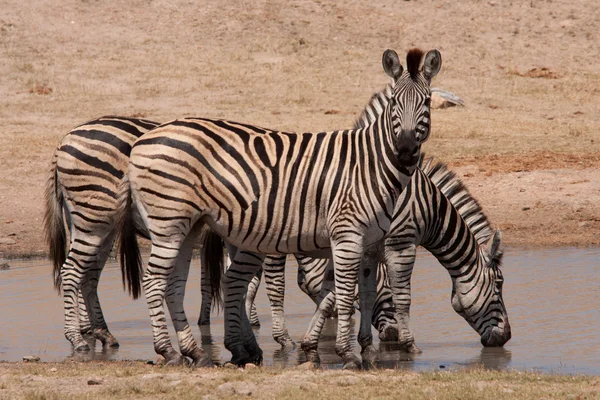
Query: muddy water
552, 296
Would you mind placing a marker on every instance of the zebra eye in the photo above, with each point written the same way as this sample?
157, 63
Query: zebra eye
499, 283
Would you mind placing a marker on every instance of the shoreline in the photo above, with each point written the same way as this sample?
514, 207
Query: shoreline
132, 379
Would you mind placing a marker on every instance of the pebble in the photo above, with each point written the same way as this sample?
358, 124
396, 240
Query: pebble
4, 266
53, 369
237, 388
95, 381
250, 366
7, 241
31, 359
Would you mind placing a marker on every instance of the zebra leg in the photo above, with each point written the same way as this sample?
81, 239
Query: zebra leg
274, 267
326, 303
204, 318
239, 338
250, 306
85, 326
400, 264
384, 312
367, 287
163, 256
175, 294
89, 290
347, 252
82, 255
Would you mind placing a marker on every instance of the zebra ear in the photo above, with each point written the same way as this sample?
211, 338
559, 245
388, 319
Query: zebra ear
496, 251
391, 64
432, 64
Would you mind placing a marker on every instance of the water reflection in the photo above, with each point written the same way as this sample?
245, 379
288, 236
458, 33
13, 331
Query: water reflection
553, 312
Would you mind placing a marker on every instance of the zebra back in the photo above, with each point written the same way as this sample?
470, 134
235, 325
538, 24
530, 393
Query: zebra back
457, 193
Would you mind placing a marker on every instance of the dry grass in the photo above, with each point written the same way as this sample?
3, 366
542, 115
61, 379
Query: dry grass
128, 380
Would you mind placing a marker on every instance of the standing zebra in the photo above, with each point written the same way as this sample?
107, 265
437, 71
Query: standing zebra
265, 191
81, 196
435, 211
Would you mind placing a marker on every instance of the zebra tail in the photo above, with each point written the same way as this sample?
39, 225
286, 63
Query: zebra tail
212, 265
131, 261
54, 225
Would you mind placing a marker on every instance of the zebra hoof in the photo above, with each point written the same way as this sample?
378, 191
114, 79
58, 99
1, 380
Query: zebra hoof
352, 362
106, 338
176, 361
389, 334
410, 347
369, 353
81, 347
203, 362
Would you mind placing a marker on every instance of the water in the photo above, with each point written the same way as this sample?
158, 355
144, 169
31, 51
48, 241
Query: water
552, 297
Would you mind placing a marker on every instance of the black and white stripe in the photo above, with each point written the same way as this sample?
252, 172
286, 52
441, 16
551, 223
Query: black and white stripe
266, 191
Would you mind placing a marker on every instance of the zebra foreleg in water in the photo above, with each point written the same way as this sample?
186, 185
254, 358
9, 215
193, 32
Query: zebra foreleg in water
243, 182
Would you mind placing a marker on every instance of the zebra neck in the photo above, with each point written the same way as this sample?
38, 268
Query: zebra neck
449, 238
382, 134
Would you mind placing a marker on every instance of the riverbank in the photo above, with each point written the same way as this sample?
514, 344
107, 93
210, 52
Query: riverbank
137, 380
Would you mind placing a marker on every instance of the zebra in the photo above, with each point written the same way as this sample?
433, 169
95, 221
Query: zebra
81, 196
437, 211
240, 179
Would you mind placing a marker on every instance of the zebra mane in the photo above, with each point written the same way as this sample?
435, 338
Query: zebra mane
374, 108
413, 61
455, 190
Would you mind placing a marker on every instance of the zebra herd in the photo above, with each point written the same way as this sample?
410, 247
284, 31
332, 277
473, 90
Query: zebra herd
351, 205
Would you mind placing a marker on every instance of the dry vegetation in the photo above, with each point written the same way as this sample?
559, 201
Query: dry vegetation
527, 71
135, 380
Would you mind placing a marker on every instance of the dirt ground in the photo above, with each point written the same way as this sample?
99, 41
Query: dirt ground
526, 142
136, 380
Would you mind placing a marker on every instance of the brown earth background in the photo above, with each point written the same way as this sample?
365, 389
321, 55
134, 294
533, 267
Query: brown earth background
527, 142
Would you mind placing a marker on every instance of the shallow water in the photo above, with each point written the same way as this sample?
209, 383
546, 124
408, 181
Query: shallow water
552, 297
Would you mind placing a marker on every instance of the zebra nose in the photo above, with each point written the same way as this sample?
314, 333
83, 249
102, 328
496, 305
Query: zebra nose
497, 337
408, 148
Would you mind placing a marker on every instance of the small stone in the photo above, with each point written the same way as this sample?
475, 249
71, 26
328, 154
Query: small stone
237, 388
31, 359
7, 241
250, 366
521, 190
4, 266
95, 381
53, 369
526, 208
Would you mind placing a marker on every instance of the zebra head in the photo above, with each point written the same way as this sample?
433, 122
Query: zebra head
479, 299
408, 108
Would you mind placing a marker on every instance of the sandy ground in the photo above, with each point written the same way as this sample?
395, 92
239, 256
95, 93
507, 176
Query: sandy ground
526, 143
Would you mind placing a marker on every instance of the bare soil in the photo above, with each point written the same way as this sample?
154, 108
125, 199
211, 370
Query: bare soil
526, 142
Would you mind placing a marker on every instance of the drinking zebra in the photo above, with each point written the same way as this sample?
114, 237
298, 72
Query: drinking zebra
435, 211
265, 191
81, 196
